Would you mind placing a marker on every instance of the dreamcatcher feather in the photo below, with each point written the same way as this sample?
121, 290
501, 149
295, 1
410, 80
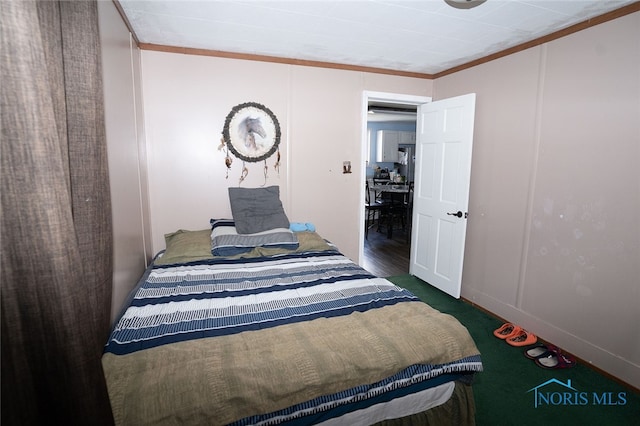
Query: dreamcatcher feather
227, 159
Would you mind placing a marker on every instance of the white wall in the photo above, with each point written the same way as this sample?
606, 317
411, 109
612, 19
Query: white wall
186, 100
121, 75
553, 240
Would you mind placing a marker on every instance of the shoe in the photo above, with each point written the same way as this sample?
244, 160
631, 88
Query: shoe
541, 349
507, 330
555, 359
522, 338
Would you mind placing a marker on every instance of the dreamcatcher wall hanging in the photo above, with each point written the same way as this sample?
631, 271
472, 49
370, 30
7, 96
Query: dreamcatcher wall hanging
252, 133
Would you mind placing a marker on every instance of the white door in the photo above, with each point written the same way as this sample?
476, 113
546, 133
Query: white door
444, 137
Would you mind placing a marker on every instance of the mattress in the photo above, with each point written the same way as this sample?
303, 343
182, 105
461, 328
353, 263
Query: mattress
280, 336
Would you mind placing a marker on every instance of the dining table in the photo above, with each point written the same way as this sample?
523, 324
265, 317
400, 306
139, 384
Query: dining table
398, 189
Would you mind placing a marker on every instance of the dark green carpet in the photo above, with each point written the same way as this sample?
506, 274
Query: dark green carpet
502, 390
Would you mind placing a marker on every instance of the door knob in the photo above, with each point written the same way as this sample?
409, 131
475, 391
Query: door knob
459, 214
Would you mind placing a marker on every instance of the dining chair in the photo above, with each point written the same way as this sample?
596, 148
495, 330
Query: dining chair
395, 211
373, 209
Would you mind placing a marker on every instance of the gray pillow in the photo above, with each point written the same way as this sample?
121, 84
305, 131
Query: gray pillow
257, 209
225, 241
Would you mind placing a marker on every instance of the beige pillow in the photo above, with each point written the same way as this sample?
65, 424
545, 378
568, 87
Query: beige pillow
311, 241
307, 241
186, 246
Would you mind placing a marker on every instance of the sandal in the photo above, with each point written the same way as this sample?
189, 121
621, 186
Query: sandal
507, 330
555, 359
539, 350
522, 338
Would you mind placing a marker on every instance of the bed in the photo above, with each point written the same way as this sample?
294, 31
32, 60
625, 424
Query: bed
278, 327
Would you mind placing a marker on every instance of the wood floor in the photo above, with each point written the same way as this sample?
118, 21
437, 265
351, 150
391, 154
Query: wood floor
386, 257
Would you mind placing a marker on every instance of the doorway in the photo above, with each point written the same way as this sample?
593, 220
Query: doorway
380, 255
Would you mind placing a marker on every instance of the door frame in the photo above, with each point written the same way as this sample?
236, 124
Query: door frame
372, 96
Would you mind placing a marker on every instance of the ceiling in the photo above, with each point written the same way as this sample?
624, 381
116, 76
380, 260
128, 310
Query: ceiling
414, 36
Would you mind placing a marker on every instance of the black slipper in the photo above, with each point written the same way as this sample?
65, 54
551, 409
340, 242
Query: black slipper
539, 350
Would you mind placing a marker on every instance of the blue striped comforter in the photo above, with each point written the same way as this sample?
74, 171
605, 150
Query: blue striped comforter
215, 298
225, 302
